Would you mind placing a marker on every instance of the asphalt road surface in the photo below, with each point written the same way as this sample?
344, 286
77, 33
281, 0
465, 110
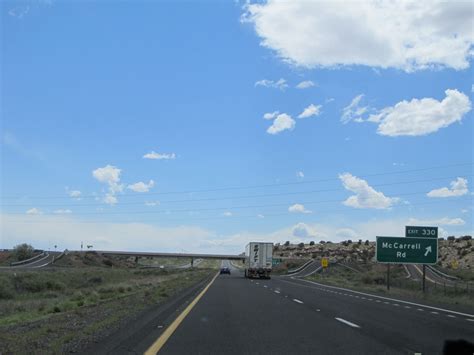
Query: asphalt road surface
286, 315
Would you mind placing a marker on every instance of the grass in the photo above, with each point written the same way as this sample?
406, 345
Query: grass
372, 279
74, 305
209, 264
465, 275
157, 261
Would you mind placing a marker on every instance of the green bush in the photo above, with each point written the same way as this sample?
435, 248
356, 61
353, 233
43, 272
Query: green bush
23, 251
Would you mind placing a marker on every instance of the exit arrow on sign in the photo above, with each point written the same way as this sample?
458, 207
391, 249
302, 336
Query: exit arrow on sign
428, 250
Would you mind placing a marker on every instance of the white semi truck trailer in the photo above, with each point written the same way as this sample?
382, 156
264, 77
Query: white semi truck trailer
258, 260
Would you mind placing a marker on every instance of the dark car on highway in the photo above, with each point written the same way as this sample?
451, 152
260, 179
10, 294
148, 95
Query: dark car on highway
225, 270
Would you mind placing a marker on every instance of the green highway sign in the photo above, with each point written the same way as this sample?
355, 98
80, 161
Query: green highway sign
406, 250
276, 261
423, 232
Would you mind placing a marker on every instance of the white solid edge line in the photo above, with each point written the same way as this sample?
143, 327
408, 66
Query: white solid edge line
347, 322
392, 299
297, 300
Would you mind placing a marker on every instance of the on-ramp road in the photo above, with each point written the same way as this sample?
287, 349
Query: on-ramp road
286, 315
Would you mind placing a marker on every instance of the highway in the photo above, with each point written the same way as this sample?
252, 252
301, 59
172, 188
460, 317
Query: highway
286, 315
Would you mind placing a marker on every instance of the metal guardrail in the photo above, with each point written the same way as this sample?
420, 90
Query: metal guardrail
16, 263
442, 274
302, 267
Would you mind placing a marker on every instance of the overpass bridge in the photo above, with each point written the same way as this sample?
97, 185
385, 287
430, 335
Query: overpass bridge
172, 255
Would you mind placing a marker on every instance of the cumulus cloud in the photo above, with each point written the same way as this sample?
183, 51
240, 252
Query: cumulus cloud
311, 110
298, 208
281, 123
346, 233
458, 188
354, 111
279, 84
34, 211
75, 193
438, 222
380, 34
152, 203
270, 115
365, 196
110, 199
141, 186
159, 156
305, 84
420, 117
109, 175
227, 214
300, 174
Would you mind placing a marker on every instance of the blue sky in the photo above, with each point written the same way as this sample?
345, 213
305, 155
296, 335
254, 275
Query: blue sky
90, 88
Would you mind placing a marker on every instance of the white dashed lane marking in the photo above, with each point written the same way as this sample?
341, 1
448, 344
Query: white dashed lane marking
347, 323
297, 300
433, 312
276, 291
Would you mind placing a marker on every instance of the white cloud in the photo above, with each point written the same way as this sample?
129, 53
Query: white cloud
19, 12
34, 211
270, 115
110, 199
227, 214
152, 203
365, 196
298, 208
159, 156
75, 193
438, 222
109, 175
311, 110
305, 84
458, 188
51, 229
141, 186
346, 233
300, 174
281, 123
419, 117
279, 84
354, 111
62, 211
382, 34
260, 216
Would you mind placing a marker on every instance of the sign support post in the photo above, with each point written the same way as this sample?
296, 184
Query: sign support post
388, 276
424, 277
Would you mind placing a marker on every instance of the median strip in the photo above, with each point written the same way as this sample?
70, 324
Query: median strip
347, 322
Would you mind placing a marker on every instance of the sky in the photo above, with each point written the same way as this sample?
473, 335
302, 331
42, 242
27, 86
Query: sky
201, 126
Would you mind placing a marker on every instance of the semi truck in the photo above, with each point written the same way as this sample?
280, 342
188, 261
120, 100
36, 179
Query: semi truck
258, 260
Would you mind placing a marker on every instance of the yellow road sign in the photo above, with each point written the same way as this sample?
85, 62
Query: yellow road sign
324, 262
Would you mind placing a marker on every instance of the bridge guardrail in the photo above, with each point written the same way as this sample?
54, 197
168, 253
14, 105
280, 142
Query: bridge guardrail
16, 263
